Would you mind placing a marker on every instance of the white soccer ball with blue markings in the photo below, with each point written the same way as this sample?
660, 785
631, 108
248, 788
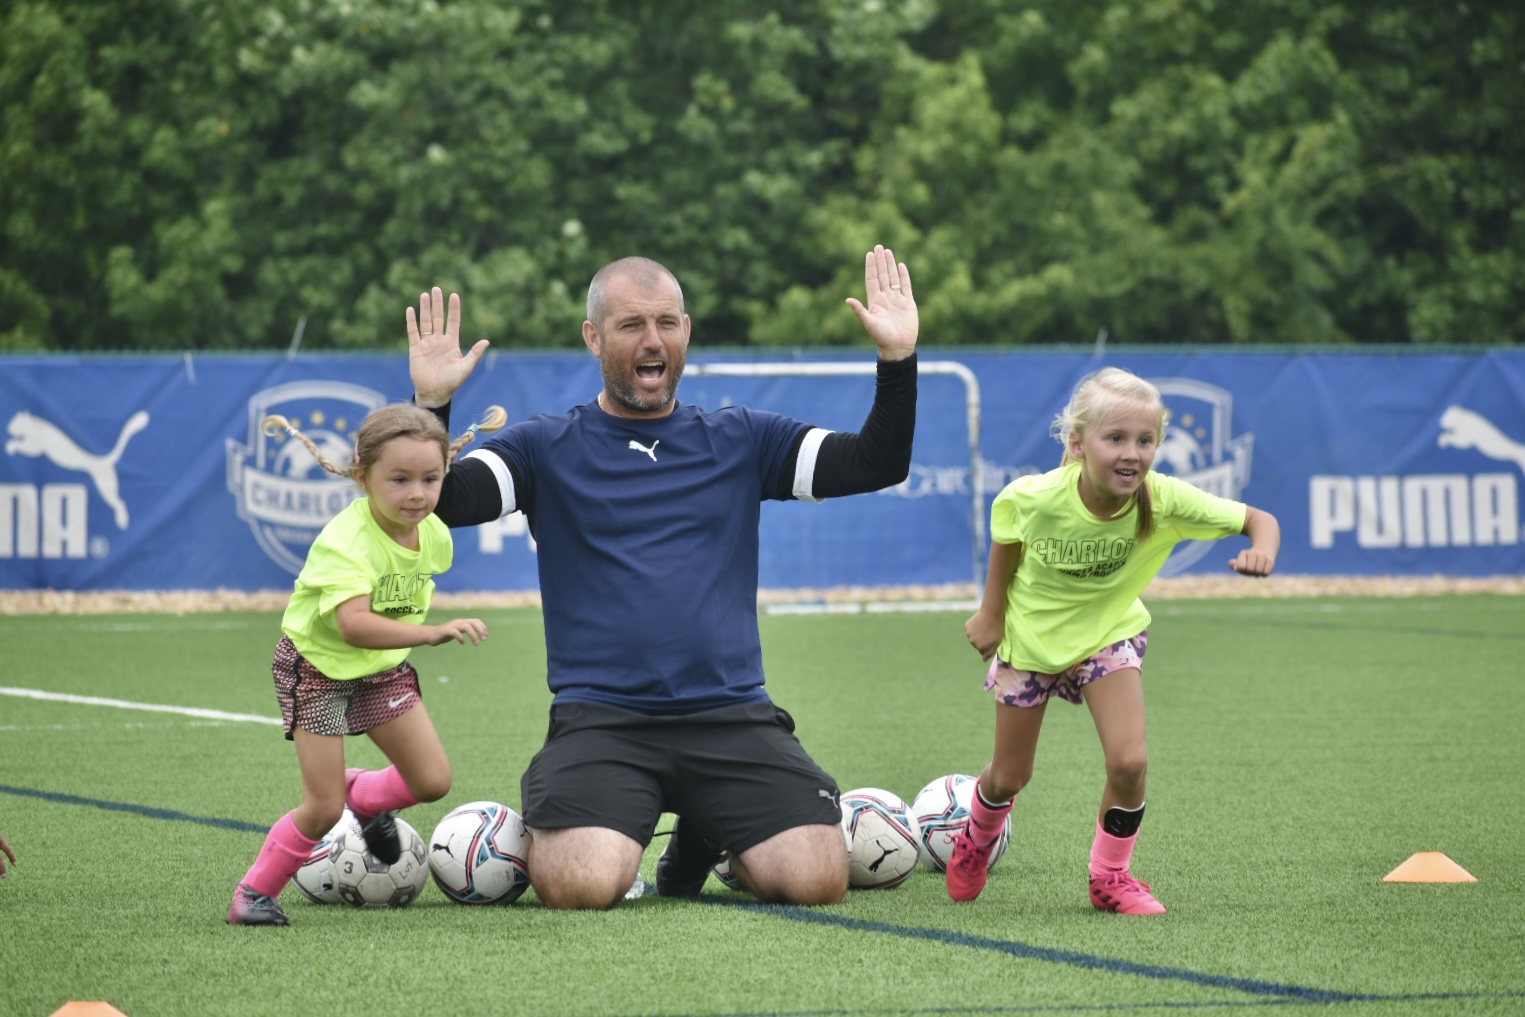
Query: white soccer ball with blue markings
479, 854
882, 838
941, 811
316, 876
364, 881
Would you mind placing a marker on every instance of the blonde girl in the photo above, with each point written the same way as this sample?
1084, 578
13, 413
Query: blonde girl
1071, 550
341, 664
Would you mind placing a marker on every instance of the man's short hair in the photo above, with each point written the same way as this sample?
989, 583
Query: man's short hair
644, 271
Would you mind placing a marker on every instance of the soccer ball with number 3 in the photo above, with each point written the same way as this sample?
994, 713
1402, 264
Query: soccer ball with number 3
363, 881
316, 876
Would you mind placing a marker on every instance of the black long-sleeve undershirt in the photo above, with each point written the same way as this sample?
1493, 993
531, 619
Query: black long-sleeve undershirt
879, 455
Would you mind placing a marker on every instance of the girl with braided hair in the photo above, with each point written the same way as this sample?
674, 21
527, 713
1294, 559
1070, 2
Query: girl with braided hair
341, 665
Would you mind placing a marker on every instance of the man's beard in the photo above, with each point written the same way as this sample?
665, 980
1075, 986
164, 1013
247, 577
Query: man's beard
624, 393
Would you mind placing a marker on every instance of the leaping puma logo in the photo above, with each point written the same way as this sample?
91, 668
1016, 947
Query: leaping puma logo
884, 852
1462, 428
33, 436
642, 448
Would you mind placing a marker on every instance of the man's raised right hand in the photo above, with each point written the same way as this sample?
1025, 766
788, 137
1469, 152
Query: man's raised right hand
434, 349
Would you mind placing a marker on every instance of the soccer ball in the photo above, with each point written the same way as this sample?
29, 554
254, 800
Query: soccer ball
316, 876
881, 838
941, 811
726, 874
363, 881
477, 854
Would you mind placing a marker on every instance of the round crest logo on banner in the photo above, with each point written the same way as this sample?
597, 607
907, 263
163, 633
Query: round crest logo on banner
280, 489
1200, 449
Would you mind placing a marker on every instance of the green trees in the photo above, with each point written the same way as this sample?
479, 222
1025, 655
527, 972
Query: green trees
209, 173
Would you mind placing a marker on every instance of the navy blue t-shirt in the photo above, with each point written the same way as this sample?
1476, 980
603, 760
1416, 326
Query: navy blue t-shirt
647, 535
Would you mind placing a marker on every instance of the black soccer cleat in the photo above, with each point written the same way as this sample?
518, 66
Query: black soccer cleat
685, 865
382, 839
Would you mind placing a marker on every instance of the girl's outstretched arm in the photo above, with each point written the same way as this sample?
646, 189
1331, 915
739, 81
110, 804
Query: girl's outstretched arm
362, 627
1259, 559
987, 626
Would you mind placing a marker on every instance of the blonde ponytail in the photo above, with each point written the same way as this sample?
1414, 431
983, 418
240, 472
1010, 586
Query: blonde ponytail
496, 417
275, 422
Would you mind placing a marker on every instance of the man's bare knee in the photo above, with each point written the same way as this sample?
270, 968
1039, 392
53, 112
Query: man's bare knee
583, 867
579, 895
824, 889
803, 865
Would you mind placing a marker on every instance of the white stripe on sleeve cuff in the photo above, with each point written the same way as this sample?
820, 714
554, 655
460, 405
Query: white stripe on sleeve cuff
500, 471
804, 466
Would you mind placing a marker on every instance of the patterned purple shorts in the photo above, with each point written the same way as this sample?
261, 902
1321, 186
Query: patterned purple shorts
315, 702
1029, 688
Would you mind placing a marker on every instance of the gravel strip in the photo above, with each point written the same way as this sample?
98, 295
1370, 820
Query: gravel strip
28, 602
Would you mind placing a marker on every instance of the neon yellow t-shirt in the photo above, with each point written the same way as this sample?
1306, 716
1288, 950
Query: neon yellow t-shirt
1077, 587
352, 557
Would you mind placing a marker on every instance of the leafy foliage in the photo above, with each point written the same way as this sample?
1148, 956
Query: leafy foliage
209, 173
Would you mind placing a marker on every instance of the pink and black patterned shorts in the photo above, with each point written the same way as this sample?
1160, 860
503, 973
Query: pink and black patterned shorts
1014, 687
320, 704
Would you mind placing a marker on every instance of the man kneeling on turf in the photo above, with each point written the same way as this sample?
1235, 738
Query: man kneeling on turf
645, 514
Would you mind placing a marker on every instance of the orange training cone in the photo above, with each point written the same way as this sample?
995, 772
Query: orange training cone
1429, 867
93, 1009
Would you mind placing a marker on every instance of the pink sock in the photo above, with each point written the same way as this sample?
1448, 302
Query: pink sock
376, 791
986, 820
1110, 853
285, 852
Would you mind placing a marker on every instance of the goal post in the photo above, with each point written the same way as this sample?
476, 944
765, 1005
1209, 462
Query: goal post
952, 368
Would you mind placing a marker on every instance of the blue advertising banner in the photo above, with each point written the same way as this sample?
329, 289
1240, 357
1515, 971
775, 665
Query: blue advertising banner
152, 473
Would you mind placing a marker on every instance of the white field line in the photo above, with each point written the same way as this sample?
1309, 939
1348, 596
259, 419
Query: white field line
122, 704
138, 725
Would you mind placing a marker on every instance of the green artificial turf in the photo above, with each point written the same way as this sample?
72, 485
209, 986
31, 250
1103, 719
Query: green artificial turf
1299, 751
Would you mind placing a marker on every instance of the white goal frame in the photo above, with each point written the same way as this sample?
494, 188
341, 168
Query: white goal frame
949, 367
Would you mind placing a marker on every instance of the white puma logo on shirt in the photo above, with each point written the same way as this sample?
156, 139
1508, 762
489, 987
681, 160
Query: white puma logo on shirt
649, 451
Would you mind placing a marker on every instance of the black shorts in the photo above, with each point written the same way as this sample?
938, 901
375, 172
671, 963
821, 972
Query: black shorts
738, 774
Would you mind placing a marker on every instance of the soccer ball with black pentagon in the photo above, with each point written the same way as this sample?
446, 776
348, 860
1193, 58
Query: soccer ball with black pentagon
881, 838
316, 876
478, 854
364, 881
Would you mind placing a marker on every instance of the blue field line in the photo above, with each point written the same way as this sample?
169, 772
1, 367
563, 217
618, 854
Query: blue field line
137, 810
1025, 951
1269, 993
974, 1011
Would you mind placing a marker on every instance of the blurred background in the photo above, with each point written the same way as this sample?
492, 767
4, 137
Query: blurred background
237, 174
1304, 221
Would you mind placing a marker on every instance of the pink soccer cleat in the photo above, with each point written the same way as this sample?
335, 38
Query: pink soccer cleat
1120, 892
968, 868
250, 907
